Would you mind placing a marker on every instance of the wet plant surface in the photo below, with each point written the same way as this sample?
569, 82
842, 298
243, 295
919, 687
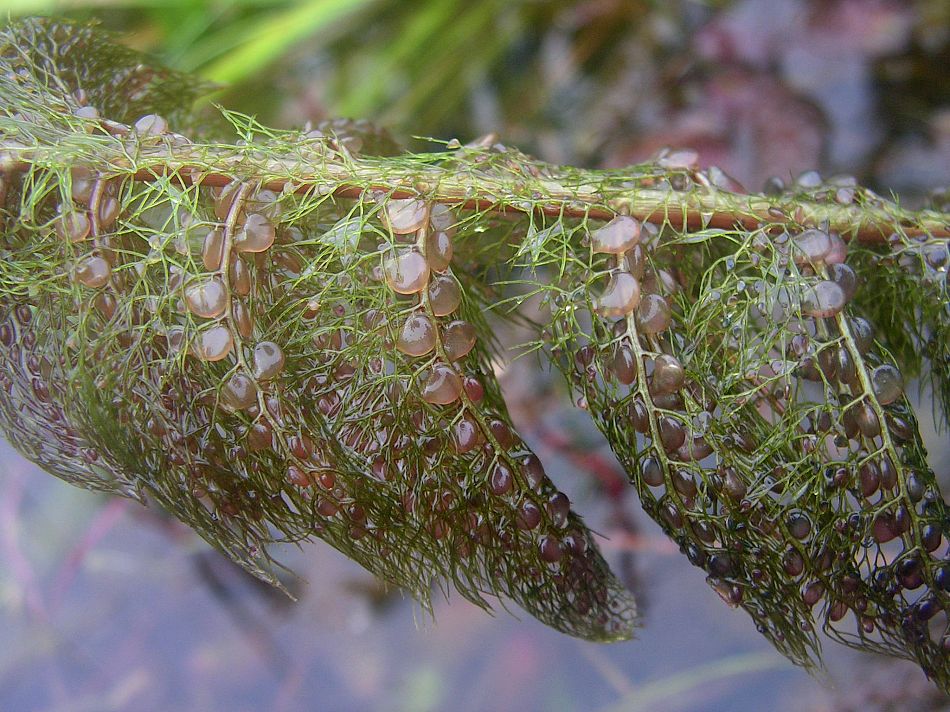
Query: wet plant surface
232, 315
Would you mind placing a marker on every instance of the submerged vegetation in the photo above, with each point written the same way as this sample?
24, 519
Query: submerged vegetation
280, 335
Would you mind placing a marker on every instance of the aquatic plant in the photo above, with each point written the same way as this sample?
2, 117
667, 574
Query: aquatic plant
280, 335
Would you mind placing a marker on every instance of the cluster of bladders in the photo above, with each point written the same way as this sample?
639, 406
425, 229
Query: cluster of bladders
845, 520
258, 387
230, 367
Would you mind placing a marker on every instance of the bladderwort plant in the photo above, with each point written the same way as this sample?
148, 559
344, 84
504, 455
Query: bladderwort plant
281, 335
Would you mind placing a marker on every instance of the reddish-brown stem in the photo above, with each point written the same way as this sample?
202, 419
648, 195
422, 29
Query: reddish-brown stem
726, 211
870, 233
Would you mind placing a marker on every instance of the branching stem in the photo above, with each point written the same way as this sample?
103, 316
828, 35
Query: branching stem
598, 195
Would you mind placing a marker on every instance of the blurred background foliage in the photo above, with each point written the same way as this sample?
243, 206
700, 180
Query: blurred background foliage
760, 87
115, 608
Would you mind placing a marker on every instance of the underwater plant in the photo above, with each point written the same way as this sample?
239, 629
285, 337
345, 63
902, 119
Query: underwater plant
281, 335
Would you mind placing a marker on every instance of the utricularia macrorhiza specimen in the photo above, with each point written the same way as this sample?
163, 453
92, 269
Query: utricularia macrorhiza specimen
282, 335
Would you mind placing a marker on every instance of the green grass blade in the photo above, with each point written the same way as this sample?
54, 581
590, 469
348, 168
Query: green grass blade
278, 34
